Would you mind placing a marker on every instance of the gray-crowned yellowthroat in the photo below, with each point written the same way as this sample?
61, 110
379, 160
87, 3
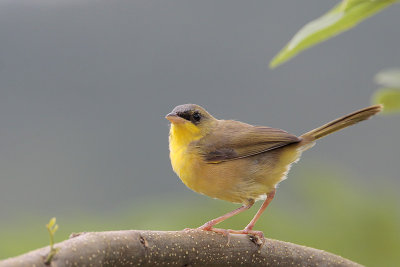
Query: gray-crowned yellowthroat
239, 162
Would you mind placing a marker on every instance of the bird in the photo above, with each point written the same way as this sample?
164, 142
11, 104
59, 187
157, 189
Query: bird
239, 162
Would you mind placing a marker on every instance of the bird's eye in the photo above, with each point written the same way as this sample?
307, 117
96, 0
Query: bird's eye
196, 116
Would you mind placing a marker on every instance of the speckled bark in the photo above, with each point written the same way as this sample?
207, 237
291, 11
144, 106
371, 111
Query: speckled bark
183, 248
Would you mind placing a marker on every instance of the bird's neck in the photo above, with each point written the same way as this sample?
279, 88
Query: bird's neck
181, 135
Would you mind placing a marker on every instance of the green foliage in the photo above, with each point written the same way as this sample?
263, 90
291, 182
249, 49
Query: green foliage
389, 95
390, 98
342, 17
52, 227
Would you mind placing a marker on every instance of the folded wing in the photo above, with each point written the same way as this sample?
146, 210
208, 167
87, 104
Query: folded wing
233, 140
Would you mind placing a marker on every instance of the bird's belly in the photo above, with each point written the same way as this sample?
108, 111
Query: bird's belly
214, 180
239, 180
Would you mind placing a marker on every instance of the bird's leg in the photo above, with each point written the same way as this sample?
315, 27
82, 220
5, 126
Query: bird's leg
208, 226
249, 228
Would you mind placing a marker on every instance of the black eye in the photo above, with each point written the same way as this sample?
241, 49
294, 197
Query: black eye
196, 116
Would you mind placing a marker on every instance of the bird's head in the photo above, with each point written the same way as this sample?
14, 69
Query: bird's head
190, 121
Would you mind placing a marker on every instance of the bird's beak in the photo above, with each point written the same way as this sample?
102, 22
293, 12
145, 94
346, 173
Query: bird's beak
174, 118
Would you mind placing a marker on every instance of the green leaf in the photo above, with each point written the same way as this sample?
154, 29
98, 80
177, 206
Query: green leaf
390, 98
388, 78
342, 17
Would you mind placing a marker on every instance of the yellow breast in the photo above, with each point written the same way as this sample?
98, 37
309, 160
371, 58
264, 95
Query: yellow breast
181, 135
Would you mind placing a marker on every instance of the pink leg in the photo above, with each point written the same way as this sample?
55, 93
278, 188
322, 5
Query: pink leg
270, 196
249, 228
208, 226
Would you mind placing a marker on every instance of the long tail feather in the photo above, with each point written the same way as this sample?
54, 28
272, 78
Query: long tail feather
341, 123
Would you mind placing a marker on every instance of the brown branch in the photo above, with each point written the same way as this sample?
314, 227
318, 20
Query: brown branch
183, 248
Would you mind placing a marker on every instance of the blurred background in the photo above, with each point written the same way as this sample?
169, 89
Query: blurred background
85, 85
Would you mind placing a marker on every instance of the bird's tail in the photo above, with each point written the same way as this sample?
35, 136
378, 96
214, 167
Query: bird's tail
340, 123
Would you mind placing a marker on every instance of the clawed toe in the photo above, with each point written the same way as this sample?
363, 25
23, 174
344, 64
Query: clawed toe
255, 236
224, 232
258, 234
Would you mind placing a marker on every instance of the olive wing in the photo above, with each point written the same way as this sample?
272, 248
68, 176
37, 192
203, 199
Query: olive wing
232, 140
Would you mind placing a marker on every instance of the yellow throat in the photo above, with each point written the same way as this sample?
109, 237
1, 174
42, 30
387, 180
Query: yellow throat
180, 136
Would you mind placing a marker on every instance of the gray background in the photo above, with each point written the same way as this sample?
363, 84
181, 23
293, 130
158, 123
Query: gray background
84, 86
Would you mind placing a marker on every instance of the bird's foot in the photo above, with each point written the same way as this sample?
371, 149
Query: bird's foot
224, 232
210, 229
245, 231
256, 236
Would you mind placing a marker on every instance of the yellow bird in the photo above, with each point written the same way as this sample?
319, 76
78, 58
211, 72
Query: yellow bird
239, 162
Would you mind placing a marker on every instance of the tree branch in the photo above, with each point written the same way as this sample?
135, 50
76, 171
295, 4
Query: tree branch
183, 248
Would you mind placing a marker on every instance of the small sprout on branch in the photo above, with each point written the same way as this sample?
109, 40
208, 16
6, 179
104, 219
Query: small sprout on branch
52, 227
